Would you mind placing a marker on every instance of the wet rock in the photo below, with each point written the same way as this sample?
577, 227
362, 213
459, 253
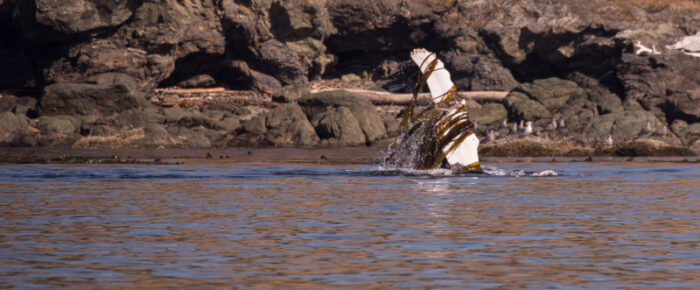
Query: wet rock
532, 146
650, 147
255, 125
287, 125
339, 123
190, 137
229, 124
366, 114
156, 136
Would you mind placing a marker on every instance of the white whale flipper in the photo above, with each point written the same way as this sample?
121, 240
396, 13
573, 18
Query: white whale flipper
439, 81
465, 156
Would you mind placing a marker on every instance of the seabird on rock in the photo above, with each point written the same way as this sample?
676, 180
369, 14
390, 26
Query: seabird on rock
514, 130
504, 124
689, 45
521, 125
562, 124
552, 126
643, 50
491, 136
527, 130
608, 141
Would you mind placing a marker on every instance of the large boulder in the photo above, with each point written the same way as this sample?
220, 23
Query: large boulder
76, 16
13, 126
552, 93
340, 125
101, 94
369, 120
521, 107
287, 125
488, 114
479, 72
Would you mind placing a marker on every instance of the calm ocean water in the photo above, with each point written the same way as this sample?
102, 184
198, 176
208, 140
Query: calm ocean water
305, 225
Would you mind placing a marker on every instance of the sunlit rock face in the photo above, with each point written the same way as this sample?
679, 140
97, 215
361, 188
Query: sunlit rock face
581, 51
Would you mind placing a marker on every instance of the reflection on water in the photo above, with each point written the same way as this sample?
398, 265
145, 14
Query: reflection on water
257, 225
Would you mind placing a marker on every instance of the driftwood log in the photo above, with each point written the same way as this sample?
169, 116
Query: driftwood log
187, 97
387, 98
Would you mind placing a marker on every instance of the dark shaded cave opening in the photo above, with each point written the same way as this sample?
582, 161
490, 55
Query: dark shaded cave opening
206, 70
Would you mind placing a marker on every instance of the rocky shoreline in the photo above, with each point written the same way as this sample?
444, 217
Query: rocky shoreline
218, 74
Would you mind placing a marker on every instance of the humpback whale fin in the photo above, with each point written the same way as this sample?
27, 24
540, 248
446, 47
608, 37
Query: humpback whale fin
439, 81
455, 131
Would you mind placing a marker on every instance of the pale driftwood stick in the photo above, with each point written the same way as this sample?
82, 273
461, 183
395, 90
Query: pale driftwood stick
192, 91
387, 98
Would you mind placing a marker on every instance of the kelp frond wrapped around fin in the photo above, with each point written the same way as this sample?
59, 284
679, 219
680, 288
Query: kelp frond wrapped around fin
442, 128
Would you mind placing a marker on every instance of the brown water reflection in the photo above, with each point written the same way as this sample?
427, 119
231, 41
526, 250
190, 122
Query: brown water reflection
330, 226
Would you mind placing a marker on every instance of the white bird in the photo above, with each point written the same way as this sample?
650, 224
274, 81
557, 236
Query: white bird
608, 141
562, 124
521, 125
552, 126
514, 130
527, 130
504, 124
491, 136
644, 50
689, 45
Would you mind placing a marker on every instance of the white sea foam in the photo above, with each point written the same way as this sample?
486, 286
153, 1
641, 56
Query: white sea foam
517, 172
381, 170
544, 173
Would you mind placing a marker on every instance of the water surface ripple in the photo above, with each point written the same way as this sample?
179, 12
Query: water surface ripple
594, 225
